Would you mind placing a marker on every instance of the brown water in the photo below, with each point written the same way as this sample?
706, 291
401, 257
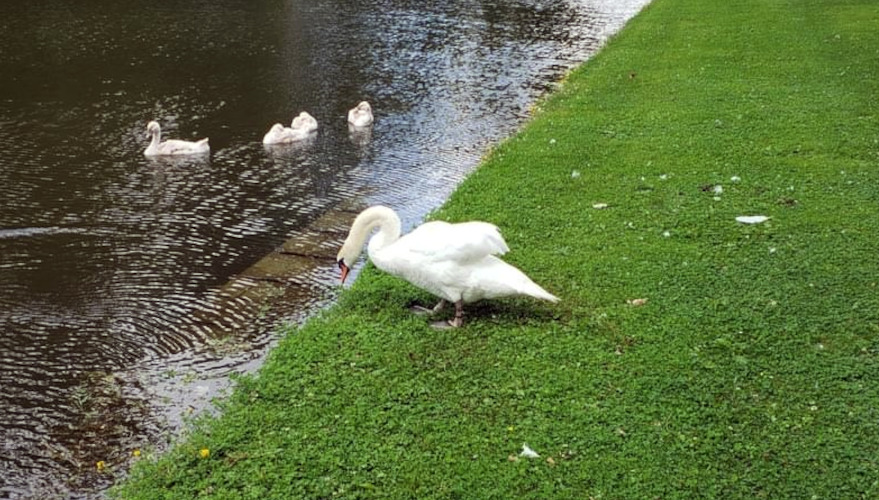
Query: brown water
121, 278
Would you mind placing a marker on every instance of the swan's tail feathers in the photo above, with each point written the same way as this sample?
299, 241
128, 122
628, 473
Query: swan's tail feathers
532, 289
542, 294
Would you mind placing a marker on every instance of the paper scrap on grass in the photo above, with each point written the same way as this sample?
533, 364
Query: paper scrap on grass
528, 452
636, 302
752, 219
599, 206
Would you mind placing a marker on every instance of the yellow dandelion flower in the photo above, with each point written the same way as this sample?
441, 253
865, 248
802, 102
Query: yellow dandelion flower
204, 453
136, 453
101, 465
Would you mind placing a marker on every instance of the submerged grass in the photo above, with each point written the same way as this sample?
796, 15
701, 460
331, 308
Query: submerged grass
752, 371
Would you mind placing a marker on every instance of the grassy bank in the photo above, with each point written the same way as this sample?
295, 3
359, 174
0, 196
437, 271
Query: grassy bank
752, 371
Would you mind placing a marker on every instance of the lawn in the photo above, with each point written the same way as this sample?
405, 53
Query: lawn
750, 371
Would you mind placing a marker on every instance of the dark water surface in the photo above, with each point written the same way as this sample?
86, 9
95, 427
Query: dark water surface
116, 314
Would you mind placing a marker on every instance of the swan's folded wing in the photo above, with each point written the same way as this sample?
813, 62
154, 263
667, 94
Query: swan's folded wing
176, 146
462, 242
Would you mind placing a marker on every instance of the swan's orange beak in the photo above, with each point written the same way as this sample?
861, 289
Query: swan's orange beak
344, 269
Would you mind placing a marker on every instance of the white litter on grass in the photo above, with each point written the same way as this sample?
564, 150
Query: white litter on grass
663, 177
718, 189
599, 206
735, 178
752, 219
575, 174
528, 452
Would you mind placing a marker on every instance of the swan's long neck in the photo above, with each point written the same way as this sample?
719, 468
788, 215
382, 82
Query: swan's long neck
383, 218
156, 135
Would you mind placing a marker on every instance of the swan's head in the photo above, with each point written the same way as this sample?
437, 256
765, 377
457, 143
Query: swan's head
348, 255
153, 127
364, 107
351, 249
344, 268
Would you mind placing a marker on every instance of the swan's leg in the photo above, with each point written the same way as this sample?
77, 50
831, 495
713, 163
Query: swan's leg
459, 314
452, 323
428, 311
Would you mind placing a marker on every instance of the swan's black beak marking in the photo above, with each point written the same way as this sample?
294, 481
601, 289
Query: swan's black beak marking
344, 267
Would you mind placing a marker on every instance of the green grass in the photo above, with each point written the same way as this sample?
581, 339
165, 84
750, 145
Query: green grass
751, 372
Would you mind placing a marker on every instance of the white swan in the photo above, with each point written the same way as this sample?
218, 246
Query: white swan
301, 128
455, 262
172, 146
361, 115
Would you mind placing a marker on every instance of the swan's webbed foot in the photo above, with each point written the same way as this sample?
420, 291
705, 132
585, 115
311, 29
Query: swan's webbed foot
425, 311
442, 325
420, 310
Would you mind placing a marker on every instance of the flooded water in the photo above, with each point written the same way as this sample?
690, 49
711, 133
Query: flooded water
126, 284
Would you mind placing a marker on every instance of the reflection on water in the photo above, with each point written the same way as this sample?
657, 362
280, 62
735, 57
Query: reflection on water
125, 294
